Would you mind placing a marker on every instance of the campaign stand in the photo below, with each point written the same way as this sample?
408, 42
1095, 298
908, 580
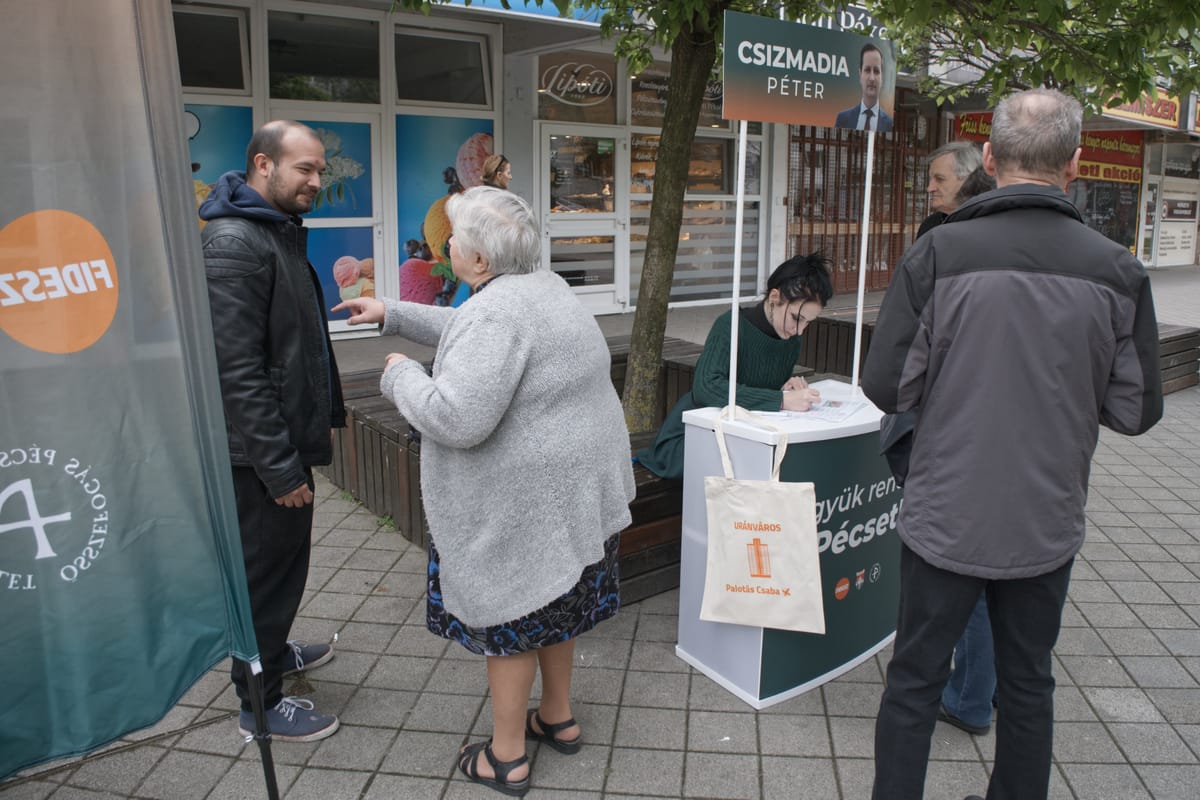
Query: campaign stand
857, 505
857, 499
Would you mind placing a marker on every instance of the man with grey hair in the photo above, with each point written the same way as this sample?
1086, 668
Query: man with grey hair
949, 166
1018, 331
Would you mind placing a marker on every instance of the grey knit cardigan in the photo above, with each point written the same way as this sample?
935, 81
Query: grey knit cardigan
525, 460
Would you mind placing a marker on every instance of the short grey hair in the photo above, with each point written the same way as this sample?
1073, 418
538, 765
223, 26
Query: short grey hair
967, 157
498, 225
1037, 132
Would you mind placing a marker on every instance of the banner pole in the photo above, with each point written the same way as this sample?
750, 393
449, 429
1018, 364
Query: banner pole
864, 227
737, 264
261, 734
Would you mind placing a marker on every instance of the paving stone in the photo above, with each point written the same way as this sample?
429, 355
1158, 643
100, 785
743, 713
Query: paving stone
728, 776
1177, 705
400, 672
852, 737
651, 727
657, 628
845, 699
1085, 742
443, 713
1164, 617
594, 651
119, 772
655, 689
653, 773
794, 735
328, 784
380, 708
1122, 705
1145, 743
1170, 782
394, 787
1070, 705
582, 772
423, 753
1080, 642
246, 779
1158, 672
183, 776
782, 778
1105, 781
1096, 670
722, 732
656, 657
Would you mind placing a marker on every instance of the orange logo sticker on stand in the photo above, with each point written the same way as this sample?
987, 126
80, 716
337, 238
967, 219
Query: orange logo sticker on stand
58, 282
842, 589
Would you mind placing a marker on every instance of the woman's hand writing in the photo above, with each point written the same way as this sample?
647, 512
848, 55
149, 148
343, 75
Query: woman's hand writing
795, 383
800, 399
393, 358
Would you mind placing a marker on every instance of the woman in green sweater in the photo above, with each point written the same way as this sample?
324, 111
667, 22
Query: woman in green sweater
768, 348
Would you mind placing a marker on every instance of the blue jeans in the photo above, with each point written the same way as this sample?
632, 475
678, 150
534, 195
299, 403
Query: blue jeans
968, 694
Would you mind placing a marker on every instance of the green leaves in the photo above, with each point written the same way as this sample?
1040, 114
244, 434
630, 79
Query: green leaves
1093, 48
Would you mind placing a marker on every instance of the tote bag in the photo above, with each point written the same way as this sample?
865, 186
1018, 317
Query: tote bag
763, 566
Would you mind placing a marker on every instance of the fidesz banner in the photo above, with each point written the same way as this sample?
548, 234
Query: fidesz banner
777, 71
121, 579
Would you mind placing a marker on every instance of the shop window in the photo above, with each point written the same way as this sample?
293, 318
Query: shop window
442, 69
213, 51
577, 86
704, 261
711, 170
648, 98
581, 174
323, 58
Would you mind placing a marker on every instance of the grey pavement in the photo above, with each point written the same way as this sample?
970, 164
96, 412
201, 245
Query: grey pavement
1127, 664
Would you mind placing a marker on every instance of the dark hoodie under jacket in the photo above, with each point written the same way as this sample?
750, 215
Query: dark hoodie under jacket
279, 379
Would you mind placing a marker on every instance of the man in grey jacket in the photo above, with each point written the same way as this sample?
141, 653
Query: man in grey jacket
1018, 331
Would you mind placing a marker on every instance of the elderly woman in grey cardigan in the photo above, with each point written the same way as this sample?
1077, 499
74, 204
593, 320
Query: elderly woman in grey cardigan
525, 472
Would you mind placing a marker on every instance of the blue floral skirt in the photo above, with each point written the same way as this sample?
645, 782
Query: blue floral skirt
593, 599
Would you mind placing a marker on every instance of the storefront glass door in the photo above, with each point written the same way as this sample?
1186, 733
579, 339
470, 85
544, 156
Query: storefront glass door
345, 240
585, 211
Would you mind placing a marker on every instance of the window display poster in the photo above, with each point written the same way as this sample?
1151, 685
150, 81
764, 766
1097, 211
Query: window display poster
346, 182
1181, 161
435, 156
217, 139
1177, 230
345, 263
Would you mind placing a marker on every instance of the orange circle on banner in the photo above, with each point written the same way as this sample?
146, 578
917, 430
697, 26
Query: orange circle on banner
842, 589
58, 282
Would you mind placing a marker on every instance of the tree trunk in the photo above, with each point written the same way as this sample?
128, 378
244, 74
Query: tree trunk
693, 54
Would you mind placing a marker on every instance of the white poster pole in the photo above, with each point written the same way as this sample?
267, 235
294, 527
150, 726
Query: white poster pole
862, 261
737, 264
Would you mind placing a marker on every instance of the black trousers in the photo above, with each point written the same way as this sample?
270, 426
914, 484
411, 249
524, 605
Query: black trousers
934, 607
276, 542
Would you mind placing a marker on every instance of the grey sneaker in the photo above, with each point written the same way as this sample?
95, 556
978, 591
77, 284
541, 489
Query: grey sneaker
292, 720
308, 656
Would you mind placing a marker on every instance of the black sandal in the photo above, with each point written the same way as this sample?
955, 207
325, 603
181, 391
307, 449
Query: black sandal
568, 747
468, 763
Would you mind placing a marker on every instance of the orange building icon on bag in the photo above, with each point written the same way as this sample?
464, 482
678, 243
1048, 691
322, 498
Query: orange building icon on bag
760, 559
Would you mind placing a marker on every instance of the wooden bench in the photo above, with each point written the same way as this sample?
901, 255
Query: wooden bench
828, 347
1179, 357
